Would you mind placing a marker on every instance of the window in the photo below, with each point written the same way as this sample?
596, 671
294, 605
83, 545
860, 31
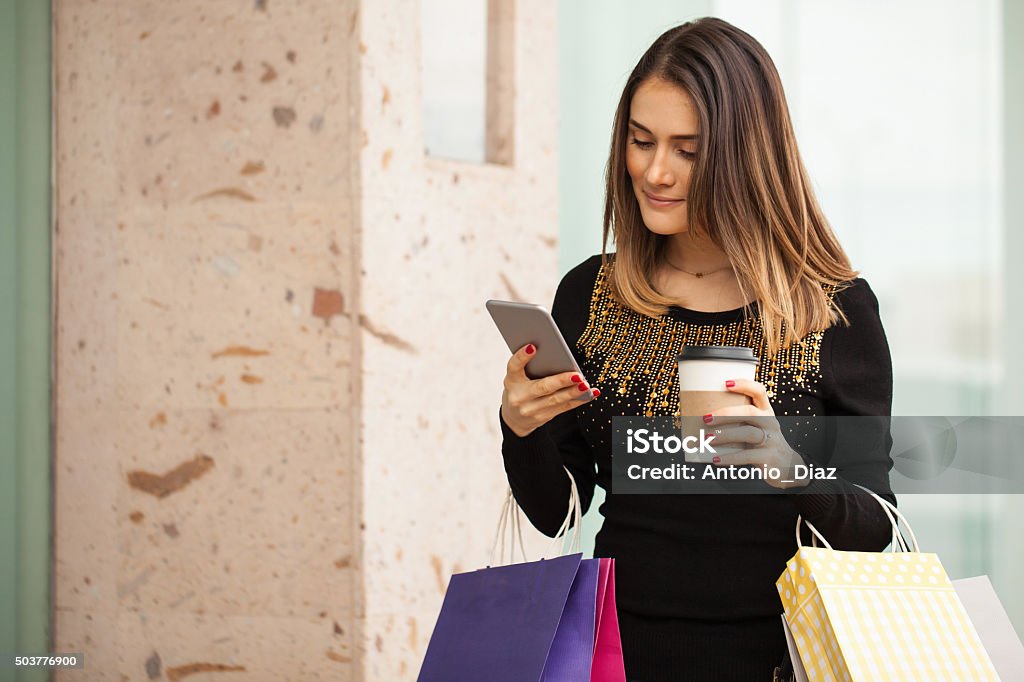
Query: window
468, 79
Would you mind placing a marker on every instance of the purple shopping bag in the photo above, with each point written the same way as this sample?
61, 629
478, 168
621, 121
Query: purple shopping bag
521, 623
573, 648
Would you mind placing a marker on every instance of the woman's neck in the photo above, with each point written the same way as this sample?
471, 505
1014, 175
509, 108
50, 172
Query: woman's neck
695, 253
707, 282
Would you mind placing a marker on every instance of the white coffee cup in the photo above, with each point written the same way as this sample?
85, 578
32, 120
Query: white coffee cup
703, 371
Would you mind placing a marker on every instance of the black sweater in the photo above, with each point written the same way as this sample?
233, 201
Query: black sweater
707, 557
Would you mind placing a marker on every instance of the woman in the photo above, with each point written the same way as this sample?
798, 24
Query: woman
719, 241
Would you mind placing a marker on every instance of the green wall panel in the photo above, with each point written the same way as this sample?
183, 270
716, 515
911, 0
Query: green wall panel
25, 331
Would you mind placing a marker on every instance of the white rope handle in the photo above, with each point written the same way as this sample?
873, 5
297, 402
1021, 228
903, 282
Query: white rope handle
517, 530
510, 522
891, 512
573, 516
815, 535
499, 532
509, 510
897, 537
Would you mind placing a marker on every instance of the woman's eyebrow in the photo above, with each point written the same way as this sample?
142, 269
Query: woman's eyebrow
673, 137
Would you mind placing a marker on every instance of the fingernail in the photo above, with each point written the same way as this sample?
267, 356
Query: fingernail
708, 418
530, 349
576, 378
596, 392
730, 383
582, 387
716, 459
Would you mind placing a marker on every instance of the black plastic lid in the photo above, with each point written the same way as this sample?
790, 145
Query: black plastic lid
733, 353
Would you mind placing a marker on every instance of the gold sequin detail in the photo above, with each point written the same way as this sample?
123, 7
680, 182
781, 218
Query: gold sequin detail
622, 343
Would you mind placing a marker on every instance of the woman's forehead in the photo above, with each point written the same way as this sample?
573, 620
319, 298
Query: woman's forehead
664, 108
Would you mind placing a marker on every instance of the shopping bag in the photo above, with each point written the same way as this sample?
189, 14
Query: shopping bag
799, 674
501, 623
866, 616
608, 664
993, 625
524, 622
573, 647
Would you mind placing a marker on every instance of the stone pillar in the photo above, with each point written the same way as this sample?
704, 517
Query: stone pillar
276, 384
438, 239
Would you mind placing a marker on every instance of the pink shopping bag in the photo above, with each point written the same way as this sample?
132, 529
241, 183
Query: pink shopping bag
607, 665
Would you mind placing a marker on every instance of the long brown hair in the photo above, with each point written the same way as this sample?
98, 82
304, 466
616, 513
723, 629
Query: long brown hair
748, 191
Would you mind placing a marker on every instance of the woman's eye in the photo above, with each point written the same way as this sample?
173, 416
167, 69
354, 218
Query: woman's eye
647, 145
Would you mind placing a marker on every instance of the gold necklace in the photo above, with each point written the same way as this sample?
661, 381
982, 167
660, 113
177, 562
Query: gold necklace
698, 275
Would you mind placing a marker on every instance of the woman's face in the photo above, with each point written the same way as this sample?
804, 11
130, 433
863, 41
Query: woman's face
661, 146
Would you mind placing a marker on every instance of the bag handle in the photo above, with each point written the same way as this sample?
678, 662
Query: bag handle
815, 535
509, 510
891, 512
510, 522
574, 516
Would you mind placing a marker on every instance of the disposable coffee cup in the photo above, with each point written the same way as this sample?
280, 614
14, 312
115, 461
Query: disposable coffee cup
703, 371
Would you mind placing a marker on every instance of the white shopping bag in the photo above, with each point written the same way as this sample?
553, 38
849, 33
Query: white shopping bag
993, 625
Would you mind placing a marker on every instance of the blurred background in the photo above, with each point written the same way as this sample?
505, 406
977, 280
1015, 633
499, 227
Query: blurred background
240, 425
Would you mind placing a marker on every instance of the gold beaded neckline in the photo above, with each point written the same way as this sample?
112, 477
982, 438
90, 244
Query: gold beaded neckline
635, 355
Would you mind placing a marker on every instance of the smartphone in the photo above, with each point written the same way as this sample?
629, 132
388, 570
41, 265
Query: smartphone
523, 323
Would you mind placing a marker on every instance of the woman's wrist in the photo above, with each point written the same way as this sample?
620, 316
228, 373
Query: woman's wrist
507, 430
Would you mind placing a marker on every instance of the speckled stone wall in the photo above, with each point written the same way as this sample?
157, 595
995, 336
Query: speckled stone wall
206, 484
276, 384
439, 239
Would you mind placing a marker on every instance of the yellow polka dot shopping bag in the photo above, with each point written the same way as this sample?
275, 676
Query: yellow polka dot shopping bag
868, 616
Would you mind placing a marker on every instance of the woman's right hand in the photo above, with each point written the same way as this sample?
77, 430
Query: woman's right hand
528, 403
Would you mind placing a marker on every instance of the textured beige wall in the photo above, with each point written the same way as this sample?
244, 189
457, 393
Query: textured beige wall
206, 488
439, 238
277, 385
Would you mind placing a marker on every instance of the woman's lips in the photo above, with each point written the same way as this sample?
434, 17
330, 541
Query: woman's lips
662, 202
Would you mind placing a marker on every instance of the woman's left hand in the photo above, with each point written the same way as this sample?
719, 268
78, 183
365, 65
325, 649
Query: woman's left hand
756, 428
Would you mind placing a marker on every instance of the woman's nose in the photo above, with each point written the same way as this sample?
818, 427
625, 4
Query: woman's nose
659, 172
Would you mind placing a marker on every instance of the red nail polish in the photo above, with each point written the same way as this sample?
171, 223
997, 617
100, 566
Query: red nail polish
730, 383
582, 387
708, 418
716, 459
596, 393
530, 349
576, 378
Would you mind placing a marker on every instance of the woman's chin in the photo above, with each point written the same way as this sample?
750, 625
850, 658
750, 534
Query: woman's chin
663, 228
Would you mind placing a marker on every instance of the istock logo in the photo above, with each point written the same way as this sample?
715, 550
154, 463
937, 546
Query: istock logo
637, 442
